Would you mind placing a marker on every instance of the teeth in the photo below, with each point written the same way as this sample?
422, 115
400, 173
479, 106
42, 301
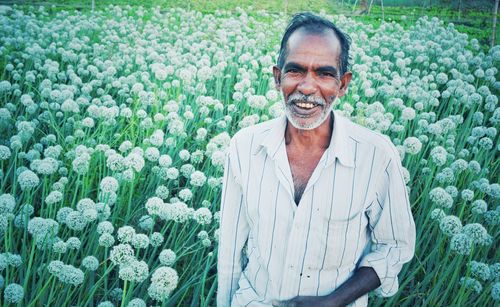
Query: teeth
305, 105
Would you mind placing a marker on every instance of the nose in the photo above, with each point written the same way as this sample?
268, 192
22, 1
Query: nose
307, 85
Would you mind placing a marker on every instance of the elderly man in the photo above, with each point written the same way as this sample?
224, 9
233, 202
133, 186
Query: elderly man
319, 202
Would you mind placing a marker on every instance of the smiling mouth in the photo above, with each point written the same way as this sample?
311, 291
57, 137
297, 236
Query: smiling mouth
305, 105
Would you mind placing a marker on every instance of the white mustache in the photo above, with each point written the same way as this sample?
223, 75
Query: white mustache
296, 97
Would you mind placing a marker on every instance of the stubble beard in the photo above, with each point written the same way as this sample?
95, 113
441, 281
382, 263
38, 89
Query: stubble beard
302, 123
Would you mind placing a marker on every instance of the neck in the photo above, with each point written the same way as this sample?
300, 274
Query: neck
308, 139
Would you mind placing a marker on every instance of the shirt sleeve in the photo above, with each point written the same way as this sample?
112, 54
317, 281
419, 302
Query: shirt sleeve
233, 232
392, 228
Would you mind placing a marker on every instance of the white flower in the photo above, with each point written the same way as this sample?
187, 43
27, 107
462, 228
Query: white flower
412, 145
198, 179
109, 184
167, 257
203, 216
163, 281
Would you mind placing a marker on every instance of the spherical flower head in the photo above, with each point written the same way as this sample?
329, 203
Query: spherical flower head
59, 247
408, 114
480, 270
136, 302
71, 275
85, 203
121, 254
214, 182
198, 179
90, 215
53, 197
4, 152
459, 165
154, 205
13, 260
156, 239
42, 229
134, 270
152, 154
106, 304
452, 190
73, 243
474, 166
146, 222
167, 257
125, 234
218, 158
467, 195
471, 284
477, 233
437, 214
163, 281
412, 145
450, 225
184, 155
203, 216
7, 204
75, 221
135, 161
106, 240
206, 242
90, 263
495, 291
461, 244
197, 156
13, 293
439, 155
440, 197
202, 235
162, 192
479, 207
494, 190
140, 240
28, 180
109, 185
187, 170
165, 161
185, 194
157, 138
172, 173
105, 227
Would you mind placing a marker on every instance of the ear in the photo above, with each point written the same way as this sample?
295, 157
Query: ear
344, 83
277, 77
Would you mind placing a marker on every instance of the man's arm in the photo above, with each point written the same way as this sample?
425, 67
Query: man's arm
361, 282
233, 233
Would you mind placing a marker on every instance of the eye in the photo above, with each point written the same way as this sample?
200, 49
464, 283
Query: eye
327, 74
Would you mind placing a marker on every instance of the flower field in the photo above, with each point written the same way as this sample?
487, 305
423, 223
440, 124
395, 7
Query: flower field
114, 126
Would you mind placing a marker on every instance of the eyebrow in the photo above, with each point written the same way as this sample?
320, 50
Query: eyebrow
327, 68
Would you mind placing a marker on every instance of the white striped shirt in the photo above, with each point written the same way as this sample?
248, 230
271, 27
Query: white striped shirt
354, 212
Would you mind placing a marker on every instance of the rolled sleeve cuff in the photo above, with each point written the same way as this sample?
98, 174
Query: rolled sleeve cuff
389, 284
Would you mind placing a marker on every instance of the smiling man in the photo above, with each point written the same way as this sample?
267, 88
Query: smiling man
315, 210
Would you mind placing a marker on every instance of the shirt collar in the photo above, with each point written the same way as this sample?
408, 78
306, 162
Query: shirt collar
340, 143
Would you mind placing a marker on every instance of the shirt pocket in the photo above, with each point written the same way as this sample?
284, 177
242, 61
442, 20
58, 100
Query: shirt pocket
340, 240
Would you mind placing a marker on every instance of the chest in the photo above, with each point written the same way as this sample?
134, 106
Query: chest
302, 166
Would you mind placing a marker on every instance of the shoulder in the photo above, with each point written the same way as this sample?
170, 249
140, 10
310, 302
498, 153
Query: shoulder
371, 139
252, 136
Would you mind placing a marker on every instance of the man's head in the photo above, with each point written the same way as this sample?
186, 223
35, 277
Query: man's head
312, 69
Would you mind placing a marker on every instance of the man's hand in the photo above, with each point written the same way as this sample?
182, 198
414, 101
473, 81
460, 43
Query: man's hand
303, 301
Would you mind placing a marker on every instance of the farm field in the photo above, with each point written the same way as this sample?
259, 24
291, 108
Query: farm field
114, 126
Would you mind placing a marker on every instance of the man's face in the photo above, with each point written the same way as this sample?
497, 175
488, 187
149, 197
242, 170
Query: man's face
310, 79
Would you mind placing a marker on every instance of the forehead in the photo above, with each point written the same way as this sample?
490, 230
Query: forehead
321, 48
